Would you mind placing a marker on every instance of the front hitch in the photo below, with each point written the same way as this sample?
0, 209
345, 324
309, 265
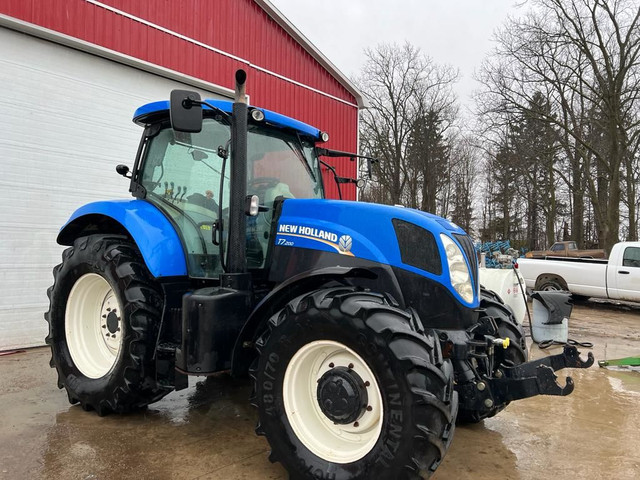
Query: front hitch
529, 379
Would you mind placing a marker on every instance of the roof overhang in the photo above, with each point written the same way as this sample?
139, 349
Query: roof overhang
297, 35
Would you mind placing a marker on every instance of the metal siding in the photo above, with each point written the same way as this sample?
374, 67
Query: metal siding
266, 45
66, 123
239, 27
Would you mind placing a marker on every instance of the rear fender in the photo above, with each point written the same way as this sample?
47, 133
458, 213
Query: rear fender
277, 299
147, 226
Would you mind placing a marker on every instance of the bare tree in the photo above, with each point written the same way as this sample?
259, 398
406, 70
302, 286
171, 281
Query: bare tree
464, 163
401, 85
583, 56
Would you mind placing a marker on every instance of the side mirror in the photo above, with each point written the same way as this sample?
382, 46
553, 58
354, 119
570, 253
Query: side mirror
123, 170
185, 111
360, 182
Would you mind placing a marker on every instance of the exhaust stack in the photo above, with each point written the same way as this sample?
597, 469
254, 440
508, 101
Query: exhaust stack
236, 260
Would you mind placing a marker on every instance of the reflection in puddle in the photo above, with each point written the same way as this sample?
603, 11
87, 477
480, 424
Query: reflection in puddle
625, 383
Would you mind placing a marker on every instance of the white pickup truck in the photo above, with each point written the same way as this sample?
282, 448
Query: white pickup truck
617, 278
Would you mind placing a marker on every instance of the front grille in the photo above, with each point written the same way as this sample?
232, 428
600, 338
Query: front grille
470, 252
418, 247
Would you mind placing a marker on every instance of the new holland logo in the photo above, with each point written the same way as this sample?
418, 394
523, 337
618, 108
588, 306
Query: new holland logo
287, 235
344, 244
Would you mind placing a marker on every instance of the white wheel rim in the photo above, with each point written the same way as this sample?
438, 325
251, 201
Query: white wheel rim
329, 441
93, 325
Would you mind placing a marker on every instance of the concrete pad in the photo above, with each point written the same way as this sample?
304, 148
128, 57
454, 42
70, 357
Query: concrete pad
206, 431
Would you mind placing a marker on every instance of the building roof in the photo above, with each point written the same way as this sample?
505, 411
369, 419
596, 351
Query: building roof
299, 37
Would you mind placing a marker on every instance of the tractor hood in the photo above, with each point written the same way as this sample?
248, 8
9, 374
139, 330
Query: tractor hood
400, 237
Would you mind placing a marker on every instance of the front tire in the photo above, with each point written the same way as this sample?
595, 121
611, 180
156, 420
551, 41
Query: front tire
104, 314
346, 388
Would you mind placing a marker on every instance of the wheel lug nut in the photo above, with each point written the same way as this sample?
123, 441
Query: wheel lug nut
488, 403
331, 365
369, 408
350, 366
356, 424
104, 326
104, 316
481, 386
366, 384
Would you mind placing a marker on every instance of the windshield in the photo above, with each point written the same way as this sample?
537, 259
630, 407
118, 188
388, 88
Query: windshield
181, 173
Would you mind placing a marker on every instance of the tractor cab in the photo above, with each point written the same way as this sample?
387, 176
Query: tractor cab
187, 176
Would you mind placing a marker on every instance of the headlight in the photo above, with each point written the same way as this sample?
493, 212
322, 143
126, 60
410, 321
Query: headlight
458, 269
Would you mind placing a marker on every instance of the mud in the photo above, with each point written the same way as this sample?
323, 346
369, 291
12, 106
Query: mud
206, 431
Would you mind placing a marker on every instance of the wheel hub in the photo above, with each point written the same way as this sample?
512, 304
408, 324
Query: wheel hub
342, 395
112, 322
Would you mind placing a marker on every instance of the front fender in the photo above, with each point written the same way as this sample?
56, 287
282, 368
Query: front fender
304, 282
152, 232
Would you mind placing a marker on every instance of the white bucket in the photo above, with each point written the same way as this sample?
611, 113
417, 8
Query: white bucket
541, 331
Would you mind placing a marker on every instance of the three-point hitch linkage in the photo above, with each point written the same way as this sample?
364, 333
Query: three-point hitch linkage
536, 377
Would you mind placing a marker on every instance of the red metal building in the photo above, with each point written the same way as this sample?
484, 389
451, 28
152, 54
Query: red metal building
209, 40
72, 72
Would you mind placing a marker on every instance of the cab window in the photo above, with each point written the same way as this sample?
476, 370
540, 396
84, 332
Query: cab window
181, 174
631, 257
279, 165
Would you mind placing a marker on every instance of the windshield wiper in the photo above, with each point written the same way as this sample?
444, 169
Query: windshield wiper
299, 152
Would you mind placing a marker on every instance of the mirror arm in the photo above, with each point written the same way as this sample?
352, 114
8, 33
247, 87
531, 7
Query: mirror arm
325, 152
225, 115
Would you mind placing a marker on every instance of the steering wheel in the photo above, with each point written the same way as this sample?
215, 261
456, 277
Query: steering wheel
260, 183
202, 201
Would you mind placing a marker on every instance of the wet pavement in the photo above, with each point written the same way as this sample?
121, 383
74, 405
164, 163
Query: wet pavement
206, 431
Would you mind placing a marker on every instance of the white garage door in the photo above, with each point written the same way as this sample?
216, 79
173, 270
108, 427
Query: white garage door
65, 123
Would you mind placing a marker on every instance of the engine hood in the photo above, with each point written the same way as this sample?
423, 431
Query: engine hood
364, 230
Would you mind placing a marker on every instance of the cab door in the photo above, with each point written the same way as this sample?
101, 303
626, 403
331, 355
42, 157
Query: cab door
626, 276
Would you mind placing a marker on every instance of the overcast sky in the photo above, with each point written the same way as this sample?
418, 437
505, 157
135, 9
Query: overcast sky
454, 32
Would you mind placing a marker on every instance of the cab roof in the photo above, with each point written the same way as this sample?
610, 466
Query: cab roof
157, 111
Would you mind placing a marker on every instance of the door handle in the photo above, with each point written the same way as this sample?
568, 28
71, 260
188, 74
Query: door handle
623, 272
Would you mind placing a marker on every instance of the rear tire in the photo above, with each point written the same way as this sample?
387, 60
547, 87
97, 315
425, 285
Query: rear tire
342, 336
551, 285
104, 314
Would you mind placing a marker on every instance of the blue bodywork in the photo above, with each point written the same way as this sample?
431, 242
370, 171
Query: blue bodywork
355, 229
271, 118
362, 230
156, 238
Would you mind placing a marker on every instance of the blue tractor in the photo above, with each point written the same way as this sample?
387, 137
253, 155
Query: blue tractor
363, 326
